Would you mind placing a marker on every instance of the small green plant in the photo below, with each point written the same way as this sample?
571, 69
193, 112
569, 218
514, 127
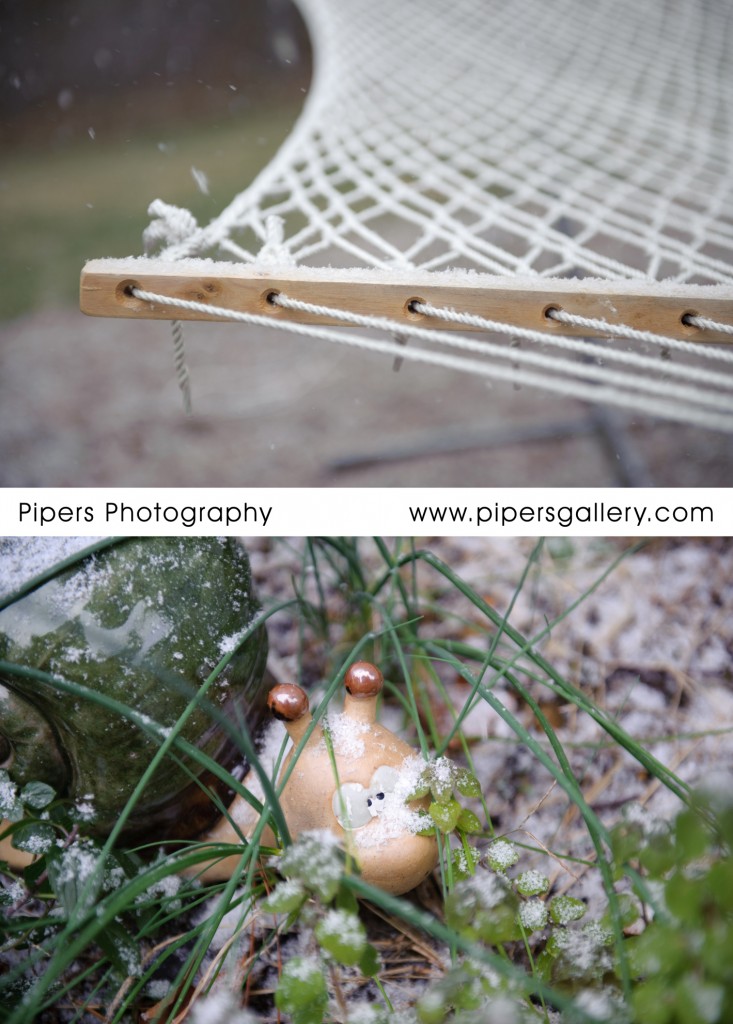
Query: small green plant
442, 779
27, 810
101, 904
683, 874
314, 894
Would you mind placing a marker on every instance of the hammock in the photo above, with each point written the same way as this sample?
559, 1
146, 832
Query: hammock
532, 191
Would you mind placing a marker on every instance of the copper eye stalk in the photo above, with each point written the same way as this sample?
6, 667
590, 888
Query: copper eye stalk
363, 680
287, 702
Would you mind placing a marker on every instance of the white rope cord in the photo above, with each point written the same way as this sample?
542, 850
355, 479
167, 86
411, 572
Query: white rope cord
718, 352
710, 325
179, 357
596, 142
576, 389
549, 363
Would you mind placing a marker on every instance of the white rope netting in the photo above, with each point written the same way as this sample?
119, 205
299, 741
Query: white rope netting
508, 137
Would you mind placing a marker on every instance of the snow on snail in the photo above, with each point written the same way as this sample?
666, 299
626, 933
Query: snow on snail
366, 805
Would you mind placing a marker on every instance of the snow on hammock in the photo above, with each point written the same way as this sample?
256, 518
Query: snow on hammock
487, 185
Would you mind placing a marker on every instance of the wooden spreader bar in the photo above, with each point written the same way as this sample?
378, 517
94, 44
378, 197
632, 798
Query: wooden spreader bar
106, 290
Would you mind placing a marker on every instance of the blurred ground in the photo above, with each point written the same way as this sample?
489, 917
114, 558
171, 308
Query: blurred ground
93, 402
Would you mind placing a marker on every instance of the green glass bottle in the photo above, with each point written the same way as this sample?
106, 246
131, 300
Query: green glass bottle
143, 623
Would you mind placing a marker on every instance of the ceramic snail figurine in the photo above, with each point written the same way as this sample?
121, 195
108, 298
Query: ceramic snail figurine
143, 621
366, 808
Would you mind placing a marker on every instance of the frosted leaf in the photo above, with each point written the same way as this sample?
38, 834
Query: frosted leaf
585, 951
532, 883
502, 855
342, 935
77, 864
602, 1005
489, 891
36, 838
302, 985
316, 860
285, 897
485, 907
84, 808
10, 806
533, 915
12, 892
128, 955
564, 909
465, 861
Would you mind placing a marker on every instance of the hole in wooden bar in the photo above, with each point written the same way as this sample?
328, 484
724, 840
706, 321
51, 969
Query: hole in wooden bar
270, 298
686, 320
411, 307
549, 312
125, 291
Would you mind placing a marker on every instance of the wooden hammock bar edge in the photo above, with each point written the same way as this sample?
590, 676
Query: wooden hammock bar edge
664, 308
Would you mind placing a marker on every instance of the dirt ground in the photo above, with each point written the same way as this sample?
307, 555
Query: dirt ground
92, 402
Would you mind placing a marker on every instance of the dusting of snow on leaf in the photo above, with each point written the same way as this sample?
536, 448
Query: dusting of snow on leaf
343, 924
130, 958
502, 854
316, 859
78, 864
305, 968
531, 883
8, 796
227, 644
12, 892
586, 949
84, 808
533, 915
37, 844
488, 890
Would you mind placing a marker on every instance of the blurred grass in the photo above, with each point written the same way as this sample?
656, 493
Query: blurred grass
62, 207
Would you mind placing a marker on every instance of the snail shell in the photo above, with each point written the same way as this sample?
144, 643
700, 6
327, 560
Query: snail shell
143, 622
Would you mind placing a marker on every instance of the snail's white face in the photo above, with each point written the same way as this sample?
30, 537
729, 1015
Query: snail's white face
355, 805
